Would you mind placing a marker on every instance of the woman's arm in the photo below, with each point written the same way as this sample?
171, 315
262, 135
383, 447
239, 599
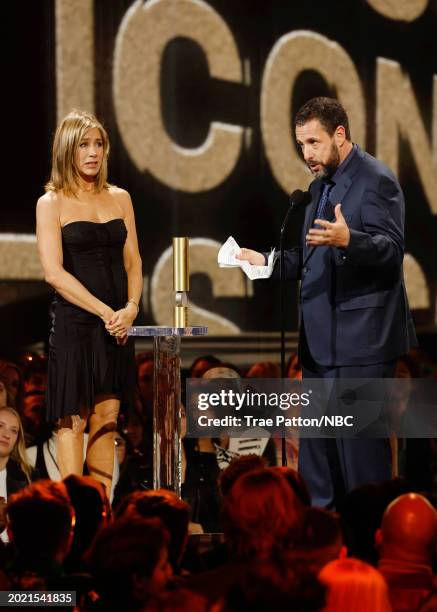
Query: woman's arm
124, 317
49, 239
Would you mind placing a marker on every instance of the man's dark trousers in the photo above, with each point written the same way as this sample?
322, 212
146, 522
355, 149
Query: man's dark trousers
332, 467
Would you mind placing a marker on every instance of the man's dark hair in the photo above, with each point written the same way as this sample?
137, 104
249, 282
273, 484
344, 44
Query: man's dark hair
169, 508
121, 551
40, 519
320, 541
328, 111
276, 584
238, 467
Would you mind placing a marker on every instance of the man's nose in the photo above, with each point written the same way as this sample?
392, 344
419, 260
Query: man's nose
307, 153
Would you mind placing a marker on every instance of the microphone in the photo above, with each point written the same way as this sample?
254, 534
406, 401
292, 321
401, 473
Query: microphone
298, 199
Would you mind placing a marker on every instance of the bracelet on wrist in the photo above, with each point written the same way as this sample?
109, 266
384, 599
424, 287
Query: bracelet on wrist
134, 303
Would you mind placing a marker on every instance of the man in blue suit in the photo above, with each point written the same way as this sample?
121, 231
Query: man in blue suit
355, 319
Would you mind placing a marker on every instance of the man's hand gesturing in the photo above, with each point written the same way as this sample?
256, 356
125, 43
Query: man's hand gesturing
330, 234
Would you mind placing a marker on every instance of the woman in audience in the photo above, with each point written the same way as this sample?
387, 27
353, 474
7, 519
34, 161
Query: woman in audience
354, 586
6, 398
13, 376
15, 471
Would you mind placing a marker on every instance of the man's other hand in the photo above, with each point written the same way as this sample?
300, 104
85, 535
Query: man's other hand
330, 234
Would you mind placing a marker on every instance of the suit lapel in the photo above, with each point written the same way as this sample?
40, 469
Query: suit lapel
339, 191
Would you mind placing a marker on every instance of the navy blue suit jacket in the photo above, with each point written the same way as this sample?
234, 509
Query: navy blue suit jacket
354, 306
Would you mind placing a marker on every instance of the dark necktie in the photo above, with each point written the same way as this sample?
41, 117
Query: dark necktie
323, 207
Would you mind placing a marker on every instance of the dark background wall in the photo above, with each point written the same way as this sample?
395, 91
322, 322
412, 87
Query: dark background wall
249, 204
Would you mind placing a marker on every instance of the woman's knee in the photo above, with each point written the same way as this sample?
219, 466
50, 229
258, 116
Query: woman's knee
105, 412
73, 423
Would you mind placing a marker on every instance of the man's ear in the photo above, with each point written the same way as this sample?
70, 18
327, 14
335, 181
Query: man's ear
340, 135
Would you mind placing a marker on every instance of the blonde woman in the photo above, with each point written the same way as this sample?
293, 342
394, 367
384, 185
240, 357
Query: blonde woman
88, 247
15, 471
354, 585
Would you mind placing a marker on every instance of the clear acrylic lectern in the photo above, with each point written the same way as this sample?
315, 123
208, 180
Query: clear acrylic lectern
167, 401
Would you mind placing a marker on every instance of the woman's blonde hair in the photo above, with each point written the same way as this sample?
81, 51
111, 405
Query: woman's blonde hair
354, 585
71, 130
19, 453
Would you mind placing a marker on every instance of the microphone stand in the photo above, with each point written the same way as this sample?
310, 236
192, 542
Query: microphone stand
293, 206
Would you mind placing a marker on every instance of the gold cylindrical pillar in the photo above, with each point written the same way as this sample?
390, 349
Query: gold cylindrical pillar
180, 316
181, 273
181, 281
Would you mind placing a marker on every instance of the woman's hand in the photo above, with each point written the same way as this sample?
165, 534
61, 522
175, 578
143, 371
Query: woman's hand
107, 315
121, 320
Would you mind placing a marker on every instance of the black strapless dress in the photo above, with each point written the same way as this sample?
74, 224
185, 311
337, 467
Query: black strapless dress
84, 359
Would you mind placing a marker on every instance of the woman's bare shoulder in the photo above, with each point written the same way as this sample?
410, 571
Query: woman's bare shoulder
49, 203
118, 192
121, 196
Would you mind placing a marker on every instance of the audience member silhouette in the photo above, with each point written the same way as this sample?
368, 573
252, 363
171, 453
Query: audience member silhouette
406, 542
40, 527
92, 511
354, 586
275, 585
320, 541
129, 564
170, 509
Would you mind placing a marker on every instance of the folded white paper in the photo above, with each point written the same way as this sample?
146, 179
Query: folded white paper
226, 259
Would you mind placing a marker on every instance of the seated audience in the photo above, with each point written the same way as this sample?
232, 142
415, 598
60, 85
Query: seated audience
136, 472
219, 554
204, 457
238, 467
276, 584
145, 362
354, 586
297, 483
320, 541
406, 542
13, 376
15, 471
34, 368
6, 398
361, 515
201, 365
264, 369
172, 511
261, 515
129, 564
294, 368
40, 526
92, 510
